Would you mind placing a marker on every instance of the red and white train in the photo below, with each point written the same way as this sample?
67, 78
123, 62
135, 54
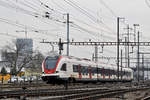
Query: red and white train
63, 68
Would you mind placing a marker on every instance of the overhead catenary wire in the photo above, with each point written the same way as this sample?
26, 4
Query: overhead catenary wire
81, 28
91, 17
40, 16
13, 23
60, 21
84, 22
31, 13
84, 30
10, 22
80, 21
106, 6
13, 6
90, 32
148, 3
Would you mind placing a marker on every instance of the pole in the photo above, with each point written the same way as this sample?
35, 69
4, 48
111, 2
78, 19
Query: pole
118, 47
121, 65
138, 58
128, 46
67, 34
96, 53
135, 31
26, 32
143, 66
93, 57
147, 71
60, 46
126, 53
134, 34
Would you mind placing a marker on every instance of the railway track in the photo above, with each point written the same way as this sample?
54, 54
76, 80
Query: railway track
94, 95
146, 98
80, 93
43, 92
42, 84
13, 87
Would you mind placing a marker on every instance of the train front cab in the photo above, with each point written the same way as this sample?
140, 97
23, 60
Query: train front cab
56, 69
50, 73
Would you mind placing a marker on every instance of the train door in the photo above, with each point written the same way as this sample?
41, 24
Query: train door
103, 71
63, 70
97, 71
109, 72
79, 71
90, 72
69, 69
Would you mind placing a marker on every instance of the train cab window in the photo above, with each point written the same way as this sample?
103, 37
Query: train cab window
50, 63
63, 68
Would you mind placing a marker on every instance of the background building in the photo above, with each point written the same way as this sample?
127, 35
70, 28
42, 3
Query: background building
28, 48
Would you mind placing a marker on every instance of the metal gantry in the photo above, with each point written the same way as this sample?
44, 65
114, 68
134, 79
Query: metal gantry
100, 43
60, 44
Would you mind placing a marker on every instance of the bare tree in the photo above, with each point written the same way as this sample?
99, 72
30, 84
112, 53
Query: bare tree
3, 71
36, 63
17, 57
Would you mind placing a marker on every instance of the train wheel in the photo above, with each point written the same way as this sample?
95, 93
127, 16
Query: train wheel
66, 84
71, 80
44, 79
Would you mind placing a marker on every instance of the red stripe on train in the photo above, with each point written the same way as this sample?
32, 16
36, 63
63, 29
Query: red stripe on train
51, 70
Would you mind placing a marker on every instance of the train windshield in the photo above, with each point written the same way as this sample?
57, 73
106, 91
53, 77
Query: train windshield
50, 62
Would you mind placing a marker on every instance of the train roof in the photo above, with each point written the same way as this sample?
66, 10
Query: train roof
88, 61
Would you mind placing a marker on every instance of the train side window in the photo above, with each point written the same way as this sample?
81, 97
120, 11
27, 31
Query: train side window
129, 73
107, 72
101, 71
113, 72
110, 72
104, 71
124, 73
64, 68
83, 69
93, 70
98, 70
75, 68
86, 70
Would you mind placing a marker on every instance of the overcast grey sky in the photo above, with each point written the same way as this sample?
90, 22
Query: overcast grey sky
92, 19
